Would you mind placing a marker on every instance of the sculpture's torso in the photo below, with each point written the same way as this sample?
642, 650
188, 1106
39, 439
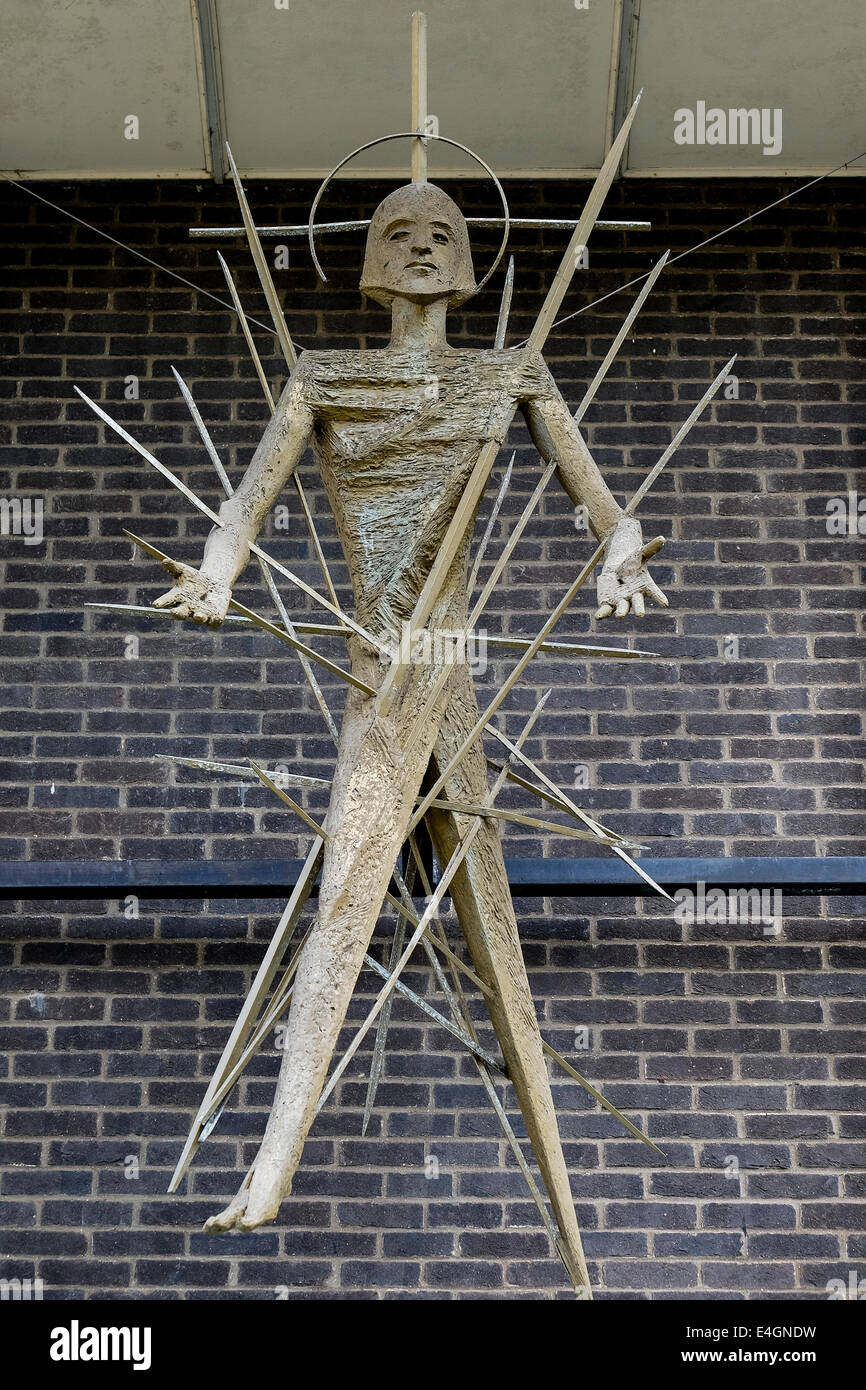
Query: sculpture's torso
396, 435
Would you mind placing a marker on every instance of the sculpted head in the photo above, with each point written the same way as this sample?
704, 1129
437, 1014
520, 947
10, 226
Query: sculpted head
418, 248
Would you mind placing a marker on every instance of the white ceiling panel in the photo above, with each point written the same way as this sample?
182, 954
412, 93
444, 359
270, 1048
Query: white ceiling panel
525, 84
803, 57
71, 73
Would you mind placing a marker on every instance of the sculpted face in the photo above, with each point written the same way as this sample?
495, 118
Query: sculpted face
418, 248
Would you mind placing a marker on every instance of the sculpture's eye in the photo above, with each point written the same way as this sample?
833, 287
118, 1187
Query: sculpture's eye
441, 237
399, 235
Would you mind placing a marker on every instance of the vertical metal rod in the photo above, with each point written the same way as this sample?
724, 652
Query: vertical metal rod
488, 530
614, 348
419, 95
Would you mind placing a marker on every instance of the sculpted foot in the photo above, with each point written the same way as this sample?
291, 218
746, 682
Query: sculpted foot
263, 1200
255, 1204
230, 1218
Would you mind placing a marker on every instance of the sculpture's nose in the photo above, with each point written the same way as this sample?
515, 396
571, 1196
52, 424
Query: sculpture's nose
421, 247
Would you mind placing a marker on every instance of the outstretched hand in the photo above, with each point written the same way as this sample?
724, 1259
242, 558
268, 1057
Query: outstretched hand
194, 595
625, 582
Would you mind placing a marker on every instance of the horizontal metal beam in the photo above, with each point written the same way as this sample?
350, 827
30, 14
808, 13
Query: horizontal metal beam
519, 224
275, 878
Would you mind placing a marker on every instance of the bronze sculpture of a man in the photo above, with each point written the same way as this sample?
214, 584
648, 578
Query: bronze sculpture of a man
396, 433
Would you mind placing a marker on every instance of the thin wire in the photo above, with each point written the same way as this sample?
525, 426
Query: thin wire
132, 251
715, 237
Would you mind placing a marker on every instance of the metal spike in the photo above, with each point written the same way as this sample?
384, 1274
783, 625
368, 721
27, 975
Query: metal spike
261, 265
505, 306
488, 530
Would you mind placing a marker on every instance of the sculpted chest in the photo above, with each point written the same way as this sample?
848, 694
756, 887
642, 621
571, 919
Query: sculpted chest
372, 405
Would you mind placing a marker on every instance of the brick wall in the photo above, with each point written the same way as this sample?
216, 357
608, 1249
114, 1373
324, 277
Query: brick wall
738, 1052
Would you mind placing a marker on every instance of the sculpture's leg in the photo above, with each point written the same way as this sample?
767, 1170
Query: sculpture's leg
482, 899
375, 786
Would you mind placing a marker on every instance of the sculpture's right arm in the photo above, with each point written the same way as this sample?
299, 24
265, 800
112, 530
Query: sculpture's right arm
204, 594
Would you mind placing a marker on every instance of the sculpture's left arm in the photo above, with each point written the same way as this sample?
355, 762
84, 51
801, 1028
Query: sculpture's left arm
624, 580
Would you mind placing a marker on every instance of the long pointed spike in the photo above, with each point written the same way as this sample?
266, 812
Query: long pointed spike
245, 329
406, 913
568, 648
597, 829
429, 940
276, 232
441, 946
314, 537
576, 1269
510, 544
580, 236
289, 801
419, 95
439, 939
488, 530
549, 798
145, 610
680, 436
335, 670
602, 833
519, 781
378, 1061
505, 306
238, 770
614, 348
204, 432
277, 1005
466, 808
146, 454
436, 1016
597, 1095
261, 265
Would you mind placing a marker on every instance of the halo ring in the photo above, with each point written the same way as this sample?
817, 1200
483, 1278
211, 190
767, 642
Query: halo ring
410, 135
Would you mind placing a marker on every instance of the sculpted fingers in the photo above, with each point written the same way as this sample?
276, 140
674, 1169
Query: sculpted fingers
168, 600
624, 585
655, 593
195, 596
206, 615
